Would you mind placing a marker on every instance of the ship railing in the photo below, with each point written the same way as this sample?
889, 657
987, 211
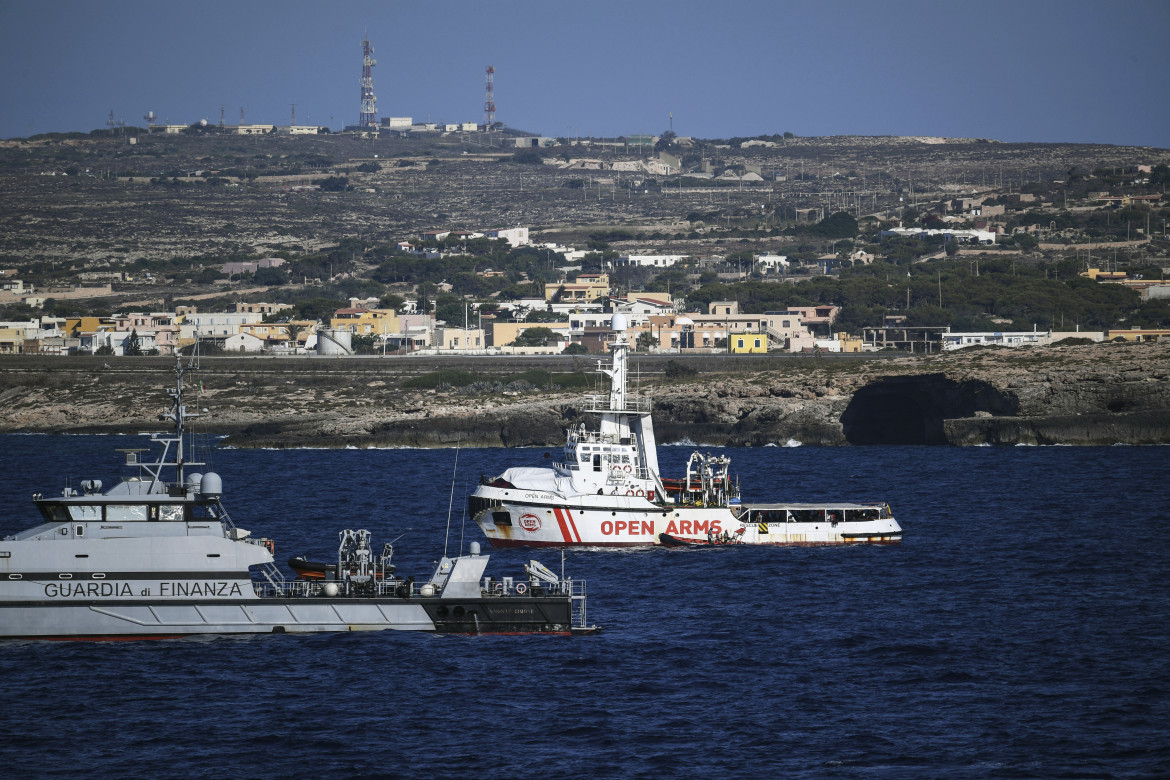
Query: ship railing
576, 590
404, 589
345, 588
522, 587
635, 404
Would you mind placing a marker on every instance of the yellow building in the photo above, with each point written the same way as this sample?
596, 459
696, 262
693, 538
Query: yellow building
365, 322
75, 326
1137, 334
849, 343
502, 334
744, 343
587, 288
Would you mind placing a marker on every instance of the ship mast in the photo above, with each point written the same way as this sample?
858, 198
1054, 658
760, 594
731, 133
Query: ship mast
177, 416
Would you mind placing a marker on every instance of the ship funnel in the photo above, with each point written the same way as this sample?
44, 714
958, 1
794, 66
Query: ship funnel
618, 323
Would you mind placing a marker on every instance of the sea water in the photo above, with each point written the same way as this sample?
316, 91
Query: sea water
1021, 629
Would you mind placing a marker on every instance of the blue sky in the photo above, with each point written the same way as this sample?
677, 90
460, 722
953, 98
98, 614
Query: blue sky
1014, 71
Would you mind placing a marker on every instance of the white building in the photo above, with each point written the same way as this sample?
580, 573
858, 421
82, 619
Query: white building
772, 263
217, 324
517, 236
966, 236
1034, 338
652, 261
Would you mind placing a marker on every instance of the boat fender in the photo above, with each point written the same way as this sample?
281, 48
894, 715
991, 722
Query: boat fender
521, 588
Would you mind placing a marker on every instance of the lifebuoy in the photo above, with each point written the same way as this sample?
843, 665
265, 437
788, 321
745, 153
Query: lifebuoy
629, 492
521, 588
626, 468
498, 587
639, 492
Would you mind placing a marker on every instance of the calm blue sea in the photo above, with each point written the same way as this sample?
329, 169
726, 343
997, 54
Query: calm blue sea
1022, 629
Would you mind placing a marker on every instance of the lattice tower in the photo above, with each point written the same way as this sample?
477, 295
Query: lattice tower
369, 114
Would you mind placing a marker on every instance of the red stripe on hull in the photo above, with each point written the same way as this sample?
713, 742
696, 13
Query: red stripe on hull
502, 543
564, 528
520, 543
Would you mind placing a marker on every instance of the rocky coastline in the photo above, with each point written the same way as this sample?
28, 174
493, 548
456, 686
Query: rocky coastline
1090, 394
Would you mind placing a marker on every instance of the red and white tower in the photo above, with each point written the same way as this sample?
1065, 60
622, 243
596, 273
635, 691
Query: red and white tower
369, 115
489, 103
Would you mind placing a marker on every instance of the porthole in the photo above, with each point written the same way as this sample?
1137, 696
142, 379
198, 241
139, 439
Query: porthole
65, 576
16, 576
98, 576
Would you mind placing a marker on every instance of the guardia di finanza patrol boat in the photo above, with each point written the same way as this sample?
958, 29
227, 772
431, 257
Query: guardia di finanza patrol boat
606, 491
158, 556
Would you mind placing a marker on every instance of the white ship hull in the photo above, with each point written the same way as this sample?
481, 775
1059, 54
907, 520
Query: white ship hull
618, 521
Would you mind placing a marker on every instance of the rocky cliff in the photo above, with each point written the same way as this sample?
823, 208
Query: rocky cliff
1087, 394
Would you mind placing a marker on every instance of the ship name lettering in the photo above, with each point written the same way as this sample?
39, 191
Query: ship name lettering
86, 590
626, 527
182, 588
694, 527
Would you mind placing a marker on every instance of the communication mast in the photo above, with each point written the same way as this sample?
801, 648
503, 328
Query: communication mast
489, 103
369, 115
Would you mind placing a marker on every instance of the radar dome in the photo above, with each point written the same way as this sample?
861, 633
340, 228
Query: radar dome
211, 485
618, 323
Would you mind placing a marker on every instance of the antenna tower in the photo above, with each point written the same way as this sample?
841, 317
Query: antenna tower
369, 115
489, 101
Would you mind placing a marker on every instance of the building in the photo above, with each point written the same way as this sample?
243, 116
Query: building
502, 334
155, 331
748, 343
459, 339
586, 289
1033, 338
651, 261
814, 316
1137, 334
221, 324
965, 236
517, 236
261, 308
252, 266
365, 322
770, 263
